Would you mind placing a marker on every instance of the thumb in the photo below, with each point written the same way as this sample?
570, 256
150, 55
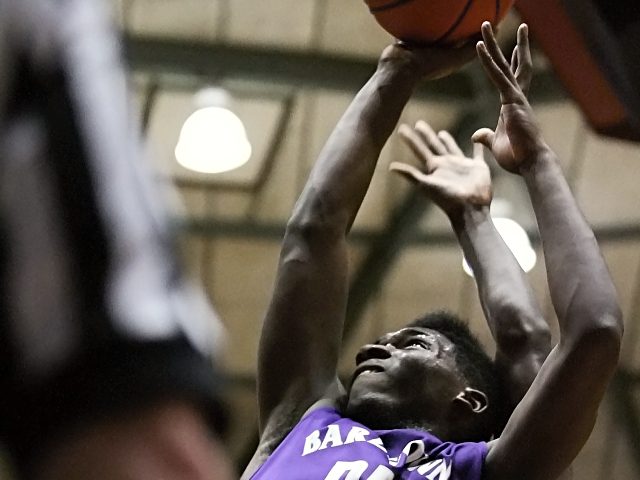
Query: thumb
484, 136
478, 151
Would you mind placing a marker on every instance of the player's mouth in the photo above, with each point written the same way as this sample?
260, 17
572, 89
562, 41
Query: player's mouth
370, 367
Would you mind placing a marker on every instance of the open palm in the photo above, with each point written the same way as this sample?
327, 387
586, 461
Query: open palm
447, 176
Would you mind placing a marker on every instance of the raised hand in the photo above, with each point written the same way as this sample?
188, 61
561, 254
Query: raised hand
517, 138
452, 180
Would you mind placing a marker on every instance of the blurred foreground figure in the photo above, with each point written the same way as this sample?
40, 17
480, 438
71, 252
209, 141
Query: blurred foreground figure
104, 368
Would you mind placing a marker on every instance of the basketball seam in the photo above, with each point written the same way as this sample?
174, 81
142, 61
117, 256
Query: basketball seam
457, 23
497, 12
388, 6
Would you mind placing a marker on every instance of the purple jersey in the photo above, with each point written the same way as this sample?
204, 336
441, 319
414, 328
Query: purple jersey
327, 446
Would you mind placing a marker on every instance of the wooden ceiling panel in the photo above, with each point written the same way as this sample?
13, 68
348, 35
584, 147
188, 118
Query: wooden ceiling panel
242, 273
324, 109
422, 279
280, 23
184, 19
608, 184
562, 127
274, 202
350, 29
623, 259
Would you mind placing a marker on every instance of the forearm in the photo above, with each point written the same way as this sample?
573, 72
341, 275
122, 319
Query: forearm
340, 179
505, 293
514, 317
580, 285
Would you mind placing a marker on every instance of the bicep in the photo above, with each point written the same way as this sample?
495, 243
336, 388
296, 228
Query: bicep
302, 331
551, 424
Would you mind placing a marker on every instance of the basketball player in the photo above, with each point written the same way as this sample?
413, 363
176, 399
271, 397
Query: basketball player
424, 400
104, 346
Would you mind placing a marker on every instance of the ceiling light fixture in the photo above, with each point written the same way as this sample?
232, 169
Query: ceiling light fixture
213, 139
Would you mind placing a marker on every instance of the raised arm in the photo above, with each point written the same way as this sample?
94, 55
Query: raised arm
523, 338
303, 328
556, 416
461, 186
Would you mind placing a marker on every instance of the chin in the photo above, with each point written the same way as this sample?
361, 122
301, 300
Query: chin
375, 411
372, 414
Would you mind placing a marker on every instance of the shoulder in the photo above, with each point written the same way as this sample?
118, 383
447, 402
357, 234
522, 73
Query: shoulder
284, 422
287, 420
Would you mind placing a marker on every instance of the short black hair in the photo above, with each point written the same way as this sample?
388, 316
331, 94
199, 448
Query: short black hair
474, 364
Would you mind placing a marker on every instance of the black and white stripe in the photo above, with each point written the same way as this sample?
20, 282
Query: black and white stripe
86, 255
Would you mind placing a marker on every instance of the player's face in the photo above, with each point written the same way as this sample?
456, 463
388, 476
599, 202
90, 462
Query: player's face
406, 377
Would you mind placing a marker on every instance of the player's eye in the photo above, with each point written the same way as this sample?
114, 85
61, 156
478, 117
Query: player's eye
418, 344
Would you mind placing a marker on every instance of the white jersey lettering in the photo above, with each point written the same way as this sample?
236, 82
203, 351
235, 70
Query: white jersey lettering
436, 470
357, 434
332, 438
378, 443
381, 473
311, 443
353, 470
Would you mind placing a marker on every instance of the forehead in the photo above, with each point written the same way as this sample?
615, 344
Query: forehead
409, 332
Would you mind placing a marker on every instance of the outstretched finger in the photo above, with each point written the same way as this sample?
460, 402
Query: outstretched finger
418, 146
430, 138
407, 171
450, 144
431, 184
523, 43
515, 61
525, 64
494, 72
495, 52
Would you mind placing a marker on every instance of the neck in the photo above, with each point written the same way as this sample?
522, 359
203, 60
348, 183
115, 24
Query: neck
384, 418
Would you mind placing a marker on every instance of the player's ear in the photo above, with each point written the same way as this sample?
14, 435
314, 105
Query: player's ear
473, 399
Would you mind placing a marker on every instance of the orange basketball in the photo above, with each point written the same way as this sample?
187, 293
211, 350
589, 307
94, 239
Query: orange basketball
436, 21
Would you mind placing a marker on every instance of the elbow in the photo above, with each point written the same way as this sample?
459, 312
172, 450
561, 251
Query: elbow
610, 330
520, 329
314, 230
317, 220
602, 338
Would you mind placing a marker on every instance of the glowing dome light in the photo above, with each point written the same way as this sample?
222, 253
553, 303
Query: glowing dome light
213, 139
518, 242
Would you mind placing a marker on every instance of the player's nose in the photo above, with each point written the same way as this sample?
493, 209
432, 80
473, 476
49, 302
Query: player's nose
373, 351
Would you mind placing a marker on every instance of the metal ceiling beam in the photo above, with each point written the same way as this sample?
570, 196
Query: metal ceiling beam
223, 228
293, 68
